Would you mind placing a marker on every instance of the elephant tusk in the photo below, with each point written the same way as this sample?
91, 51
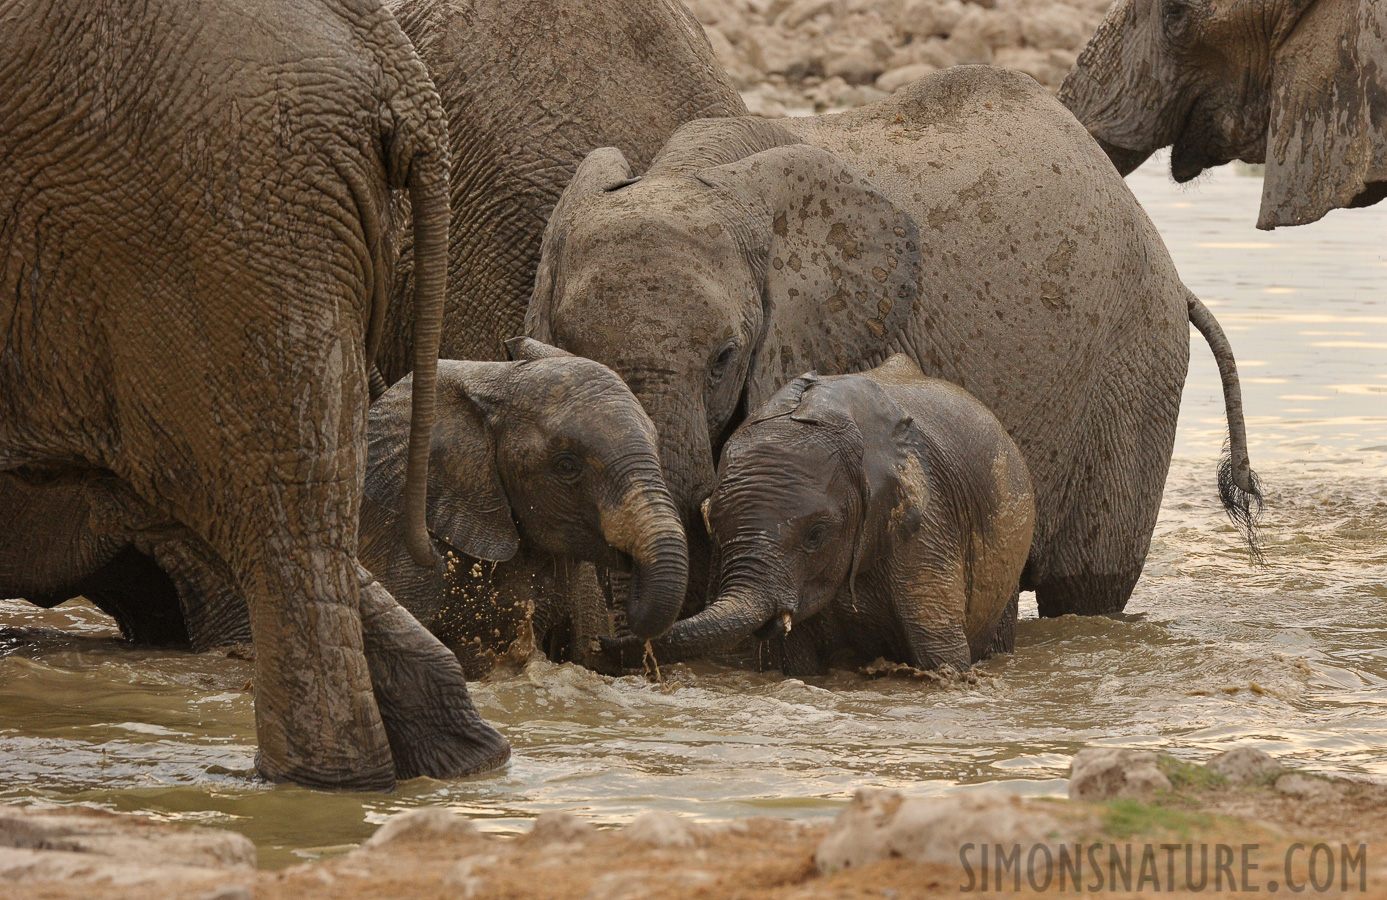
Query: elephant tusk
785, 622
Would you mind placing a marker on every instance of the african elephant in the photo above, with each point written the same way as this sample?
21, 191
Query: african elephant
1298, 84
969, 222
878, 514
193, 276
530, 86
536, 464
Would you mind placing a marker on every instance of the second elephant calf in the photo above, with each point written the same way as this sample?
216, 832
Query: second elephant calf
537, 464
856, 516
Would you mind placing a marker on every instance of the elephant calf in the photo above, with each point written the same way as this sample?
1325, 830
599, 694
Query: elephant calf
878, 514
536, 464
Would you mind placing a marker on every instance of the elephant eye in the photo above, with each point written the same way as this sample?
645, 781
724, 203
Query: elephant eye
567, 467
717, 370
814, 537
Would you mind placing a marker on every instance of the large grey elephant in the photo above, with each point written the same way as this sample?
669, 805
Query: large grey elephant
530, 87
192, 275
868, 515
968, 222
537, 464
1298, 84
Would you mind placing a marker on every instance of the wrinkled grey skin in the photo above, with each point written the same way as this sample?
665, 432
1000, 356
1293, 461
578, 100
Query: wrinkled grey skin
1298, 84
530, 87
537, 464
192, 278
880, 514
968, 222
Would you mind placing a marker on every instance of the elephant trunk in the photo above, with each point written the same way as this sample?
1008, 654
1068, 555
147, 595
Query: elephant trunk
732, 617
647, 528
428, 196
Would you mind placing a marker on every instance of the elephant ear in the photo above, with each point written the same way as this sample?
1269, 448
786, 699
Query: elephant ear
840, 263
523, 349
894, 471
467, 505
604, 169
1327, 139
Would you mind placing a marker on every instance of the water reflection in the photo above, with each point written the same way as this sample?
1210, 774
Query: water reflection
1291, 658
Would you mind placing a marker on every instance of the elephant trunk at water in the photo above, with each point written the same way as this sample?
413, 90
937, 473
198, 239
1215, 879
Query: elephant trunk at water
538, 464
880, 514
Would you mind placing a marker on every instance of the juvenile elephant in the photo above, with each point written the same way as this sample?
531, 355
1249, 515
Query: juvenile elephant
1298, 84
536, 464
879, 514
968, 222
530, 87
192, 275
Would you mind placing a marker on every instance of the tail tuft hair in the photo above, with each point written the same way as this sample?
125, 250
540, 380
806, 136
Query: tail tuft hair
1243, 503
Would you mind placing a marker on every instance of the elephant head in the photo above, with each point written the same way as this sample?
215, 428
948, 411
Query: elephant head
822, 484
550, 450
1298, 84
741, 258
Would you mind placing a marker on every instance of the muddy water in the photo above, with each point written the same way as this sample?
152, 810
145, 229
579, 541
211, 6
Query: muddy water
1211, 653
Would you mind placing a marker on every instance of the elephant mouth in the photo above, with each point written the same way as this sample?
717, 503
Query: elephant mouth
777, 626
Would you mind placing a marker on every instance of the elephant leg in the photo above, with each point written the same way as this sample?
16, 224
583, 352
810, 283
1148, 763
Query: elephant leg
1004, 638
213, 609
1090, 548
421, 692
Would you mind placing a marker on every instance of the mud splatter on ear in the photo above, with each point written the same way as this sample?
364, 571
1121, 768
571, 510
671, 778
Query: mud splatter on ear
604, 169
707, 525
467, 506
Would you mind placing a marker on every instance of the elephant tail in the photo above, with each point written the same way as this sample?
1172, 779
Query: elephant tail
1238, 486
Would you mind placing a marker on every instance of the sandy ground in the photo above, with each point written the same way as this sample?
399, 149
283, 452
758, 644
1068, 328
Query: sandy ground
1280, 833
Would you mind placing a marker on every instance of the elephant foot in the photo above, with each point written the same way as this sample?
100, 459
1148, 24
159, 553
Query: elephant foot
433, 728
1084, 595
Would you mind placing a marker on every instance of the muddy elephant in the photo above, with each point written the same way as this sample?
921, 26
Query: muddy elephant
537, 464
530, 87
882, 514
969, 222
1298, 84
193, 275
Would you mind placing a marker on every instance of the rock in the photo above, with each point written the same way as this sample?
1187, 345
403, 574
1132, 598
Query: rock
1102, 774
895, 79
561, 827
882, 824
988, 27
1035, 63
1055, 28
1303, 787
428, 822
742, 73
931, 18
762, 101
771, 51
802, 11
660, 829
1244, 764
127, 838
230, 893
855, 65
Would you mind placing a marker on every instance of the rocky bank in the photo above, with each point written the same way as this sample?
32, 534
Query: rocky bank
1281, 830
797, 56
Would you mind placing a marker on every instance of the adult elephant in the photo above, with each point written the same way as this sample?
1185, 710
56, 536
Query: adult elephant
192, 277
530, 87
969, 222
1298, 84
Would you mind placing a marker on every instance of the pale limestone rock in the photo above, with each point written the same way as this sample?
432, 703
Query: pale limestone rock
1054, 27
882, 824
561, 827
428, 822
1244, 764
1103, 774
660, 829
895, 79
1303, 787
